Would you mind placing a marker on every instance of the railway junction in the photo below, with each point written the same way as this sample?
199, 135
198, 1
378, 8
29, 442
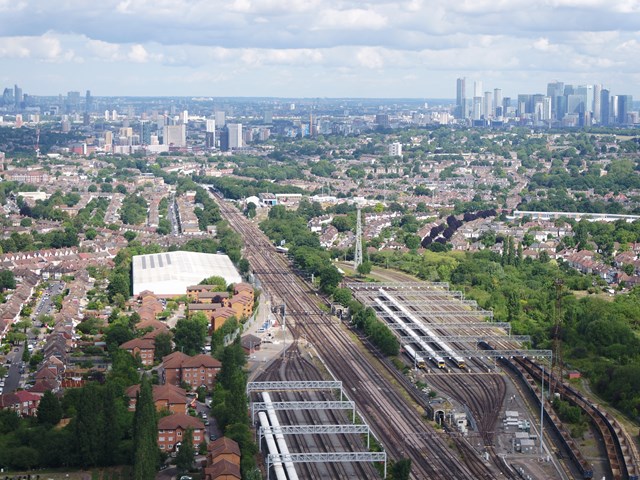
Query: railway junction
490, 377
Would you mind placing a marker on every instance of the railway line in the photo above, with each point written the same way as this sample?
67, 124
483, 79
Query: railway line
441, 307
399, 425
295, 367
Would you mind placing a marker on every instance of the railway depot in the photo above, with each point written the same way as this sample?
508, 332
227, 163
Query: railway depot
482, 370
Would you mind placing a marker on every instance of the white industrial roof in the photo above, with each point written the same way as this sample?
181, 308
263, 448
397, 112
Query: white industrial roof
171, 273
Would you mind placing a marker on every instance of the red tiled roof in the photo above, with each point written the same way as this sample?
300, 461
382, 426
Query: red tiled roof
181, 420
202, 360
141, 343
174, 360
222, 468
223, 445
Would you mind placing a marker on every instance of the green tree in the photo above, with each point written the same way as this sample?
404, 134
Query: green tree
7, 280
217, 281
329, 278
145, 434
87, 427
190, 334
129, 235
184, 458
49, 410
119, 283
342, 296
401, 470
364, 268
244, 266
162, 346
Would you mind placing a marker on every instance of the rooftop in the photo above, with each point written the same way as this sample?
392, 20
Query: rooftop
171, 273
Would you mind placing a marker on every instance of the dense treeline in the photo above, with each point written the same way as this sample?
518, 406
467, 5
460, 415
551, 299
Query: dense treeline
21, 142
291, 228
134, 210
100, 432
230, 405
365, 319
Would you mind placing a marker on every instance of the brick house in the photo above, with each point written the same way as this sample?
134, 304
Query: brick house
223, 460
242, 304
222, 470
200, 370
194, 371
171, 431
197, 293
165, 397
23, 402
145, 347
216, 314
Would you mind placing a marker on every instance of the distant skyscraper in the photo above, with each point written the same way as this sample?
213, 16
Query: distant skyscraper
605, 105
185, 117
7, 97
235, 135
461, 98
487, 107
477, 108
17, 95
477, 88
382, 120
268, 117
624, 108
88, 102
546, 109
597, 102
73, 102
497, 101
576, 103
175, 135
210, 134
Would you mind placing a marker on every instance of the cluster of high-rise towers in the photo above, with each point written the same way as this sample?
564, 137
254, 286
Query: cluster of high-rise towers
563, 105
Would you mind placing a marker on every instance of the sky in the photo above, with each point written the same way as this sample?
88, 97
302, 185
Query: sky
317, 48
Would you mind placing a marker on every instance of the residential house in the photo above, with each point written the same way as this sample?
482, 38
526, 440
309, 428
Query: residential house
171, 430
201, 370
23, 402
223, 460
165, 397
145, 347
222, 470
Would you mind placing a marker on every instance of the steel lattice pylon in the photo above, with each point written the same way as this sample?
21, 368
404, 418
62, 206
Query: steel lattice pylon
357, 257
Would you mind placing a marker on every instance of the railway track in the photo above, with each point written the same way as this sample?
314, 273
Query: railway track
397, 423
295, 367
621, 453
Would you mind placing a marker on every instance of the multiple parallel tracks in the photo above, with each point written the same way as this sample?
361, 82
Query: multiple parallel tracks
396, 421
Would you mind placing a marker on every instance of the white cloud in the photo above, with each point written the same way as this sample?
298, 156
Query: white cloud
138, 53
316, 41
369, 58
351, 19
45, 47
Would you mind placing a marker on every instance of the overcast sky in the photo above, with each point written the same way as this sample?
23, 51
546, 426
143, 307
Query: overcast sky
317, 48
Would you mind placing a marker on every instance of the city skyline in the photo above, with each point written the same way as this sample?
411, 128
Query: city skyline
311, 49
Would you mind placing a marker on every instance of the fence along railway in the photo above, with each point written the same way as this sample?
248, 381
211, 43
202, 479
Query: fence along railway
398, 424
398, 430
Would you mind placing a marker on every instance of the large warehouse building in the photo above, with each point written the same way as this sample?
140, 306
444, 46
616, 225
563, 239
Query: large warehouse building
169, 274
